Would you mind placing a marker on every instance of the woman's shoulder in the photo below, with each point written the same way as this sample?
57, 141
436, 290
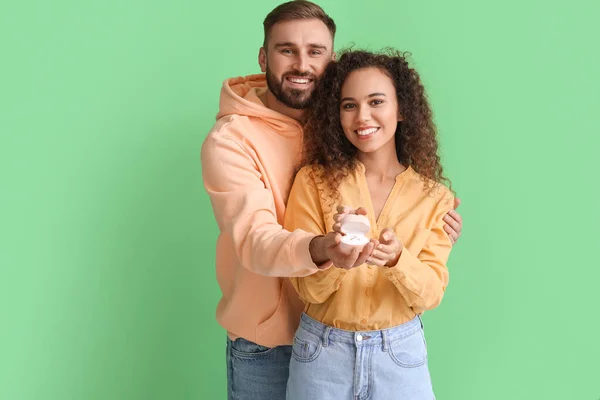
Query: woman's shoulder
308, 172
436, 191
312, 175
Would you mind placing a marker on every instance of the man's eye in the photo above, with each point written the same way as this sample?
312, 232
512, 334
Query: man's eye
286, 51
316, 53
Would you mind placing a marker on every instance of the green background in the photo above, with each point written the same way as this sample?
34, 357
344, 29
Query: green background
107, 282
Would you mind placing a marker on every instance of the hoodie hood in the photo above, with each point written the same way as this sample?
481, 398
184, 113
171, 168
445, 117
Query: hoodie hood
240, 96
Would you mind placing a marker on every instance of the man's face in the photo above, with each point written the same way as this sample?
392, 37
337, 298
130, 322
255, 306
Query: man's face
296, 55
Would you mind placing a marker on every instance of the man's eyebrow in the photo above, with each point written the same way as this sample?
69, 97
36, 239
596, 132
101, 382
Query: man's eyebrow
371, 95
285, 44
290, 44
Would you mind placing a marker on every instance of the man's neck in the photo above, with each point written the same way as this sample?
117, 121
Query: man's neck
270, 101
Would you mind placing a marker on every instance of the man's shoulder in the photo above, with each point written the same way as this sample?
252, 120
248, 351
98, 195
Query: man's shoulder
228, 126
238, 126
232, 133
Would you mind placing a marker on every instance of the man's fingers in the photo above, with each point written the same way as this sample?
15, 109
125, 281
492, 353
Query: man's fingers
449, 229
332, 240
337, 227
453, 223
349, 260
456, 202
455, 216
365, 253
454, 235
451, 233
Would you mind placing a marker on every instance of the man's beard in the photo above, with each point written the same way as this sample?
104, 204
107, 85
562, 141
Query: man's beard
293, 98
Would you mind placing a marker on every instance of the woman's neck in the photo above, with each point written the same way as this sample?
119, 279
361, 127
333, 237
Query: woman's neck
382, 164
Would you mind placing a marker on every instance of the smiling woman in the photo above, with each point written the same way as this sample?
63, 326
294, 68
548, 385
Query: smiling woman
382, 108
369, 110
365, 141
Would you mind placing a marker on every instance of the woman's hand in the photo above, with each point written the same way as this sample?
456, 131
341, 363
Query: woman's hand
388, 251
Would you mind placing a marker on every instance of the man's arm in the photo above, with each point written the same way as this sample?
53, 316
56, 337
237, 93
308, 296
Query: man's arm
245, 211
452, 219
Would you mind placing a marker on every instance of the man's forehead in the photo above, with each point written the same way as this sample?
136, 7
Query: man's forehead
301, 33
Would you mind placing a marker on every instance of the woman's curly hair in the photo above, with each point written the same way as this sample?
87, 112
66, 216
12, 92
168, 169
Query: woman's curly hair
331, 154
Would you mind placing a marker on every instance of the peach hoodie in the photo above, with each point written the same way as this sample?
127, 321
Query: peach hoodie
248, 163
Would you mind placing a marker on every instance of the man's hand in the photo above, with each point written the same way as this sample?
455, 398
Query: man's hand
343, 259
324, 248
361, 257
453, 222
388, 250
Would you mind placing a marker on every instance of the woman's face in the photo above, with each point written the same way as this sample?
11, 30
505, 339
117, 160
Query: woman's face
369, 109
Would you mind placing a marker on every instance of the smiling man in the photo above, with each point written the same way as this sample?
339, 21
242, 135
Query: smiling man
248, 164
291, 79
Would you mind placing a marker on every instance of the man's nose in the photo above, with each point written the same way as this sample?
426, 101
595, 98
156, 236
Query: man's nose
301, 63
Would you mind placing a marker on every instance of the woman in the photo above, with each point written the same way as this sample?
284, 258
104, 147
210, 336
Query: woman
370, 141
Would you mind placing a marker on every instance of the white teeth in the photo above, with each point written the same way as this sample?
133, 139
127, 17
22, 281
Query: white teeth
298, 80
366, 132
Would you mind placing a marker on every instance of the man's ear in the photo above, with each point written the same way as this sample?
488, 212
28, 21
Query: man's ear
262, 59
333, 56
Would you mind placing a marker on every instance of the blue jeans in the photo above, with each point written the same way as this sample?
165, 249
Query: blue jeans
333, 364
255, 372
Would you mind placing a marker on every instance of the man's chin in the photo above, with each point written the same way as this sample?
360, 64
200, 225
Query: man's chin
293, 101
296, 104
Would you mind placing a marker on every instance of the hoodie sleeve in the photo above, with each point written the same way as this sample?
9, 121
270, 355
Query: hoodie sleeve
245, 210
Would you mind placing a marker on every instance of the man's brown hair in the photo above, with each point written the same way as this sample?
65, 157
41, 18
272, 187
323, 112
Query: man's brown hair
296, 10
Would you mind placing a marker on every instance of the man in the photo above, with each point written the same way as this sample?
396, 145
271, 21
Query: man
248, 161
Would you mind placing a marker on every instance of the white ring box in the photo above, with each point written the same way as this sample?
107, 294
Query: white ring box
355, 229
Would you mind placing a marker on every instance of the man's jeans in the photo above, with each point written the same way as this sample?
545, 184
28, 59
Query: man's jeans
256, 372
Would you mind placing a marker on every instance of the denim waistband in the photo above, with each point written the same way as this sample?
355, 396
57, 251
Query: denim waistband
376, 337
